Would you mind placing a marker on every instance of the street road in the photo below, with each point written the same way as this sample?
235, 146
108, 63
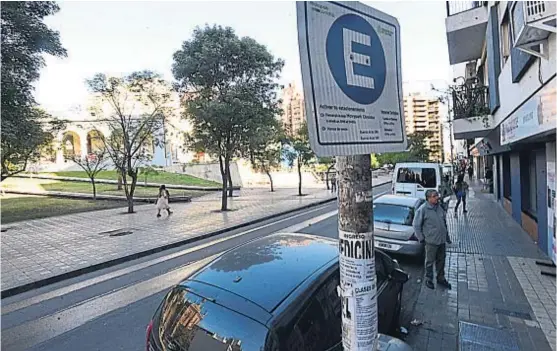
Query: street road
110, 309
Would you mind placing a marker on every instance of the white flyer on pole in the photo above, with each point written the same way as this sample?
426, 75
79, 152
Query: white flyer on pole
359, 300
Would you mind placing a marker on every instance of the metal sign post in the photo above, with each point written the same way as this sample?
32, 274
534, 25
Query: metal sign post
350, 57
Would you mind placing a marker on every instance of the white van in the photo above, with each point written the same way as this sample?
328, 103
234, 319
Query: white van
414, 179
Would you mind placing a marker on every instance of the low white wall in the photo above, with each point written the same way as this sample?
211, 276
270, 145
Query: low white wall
208, 171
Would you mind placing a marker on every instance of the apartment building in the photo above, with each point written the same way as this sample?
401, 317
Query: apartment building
293, 111
421, 114
504, 97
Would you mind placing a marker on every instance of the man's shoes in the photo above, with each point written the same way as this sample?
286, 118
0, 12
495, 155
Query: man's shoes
429, 284
444, 283
455, 215
464, 211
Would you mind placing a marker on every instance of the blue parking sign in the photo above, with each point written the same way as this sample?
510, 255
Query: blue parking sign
356, 58
350, 58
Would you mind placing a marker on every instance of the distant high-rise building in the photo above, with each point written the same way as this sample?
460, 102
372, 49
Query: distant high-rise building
293, 112
421, 114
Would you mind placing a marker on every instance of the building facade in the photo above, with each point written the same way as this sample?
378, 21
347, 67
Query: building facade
83, 136
293, 111
421, 114
504, 99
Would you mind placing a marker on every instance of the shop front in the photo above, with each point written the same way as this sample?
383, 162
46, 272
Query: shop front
522, 152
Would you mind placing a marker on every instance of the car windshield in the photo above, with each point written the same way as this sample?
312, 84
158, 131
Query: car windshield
393, 214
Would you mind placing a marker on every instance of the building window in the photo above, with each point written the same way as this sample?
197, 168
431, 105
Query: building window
505, 39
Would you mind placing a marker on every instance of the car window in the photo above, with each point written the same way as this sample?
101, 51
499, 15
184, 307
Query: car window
426, 177
319, 325
393, 214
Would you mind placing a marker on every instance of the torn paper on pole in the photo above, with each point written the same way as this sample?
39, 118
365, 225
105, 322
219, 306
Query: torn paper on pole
358, 291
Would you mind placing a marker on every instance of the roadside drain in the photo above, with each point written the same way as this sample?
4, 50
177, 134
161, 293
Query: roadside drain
475, 337
117, 232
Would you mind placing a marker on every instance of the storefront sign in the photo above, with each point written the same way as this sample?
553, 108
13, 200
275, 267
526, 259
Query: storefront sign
551, 211
536, 116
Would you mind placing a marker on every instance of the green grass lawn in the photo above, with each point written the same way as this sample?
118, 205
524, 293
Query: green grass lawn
32, 207
111, 189
161, 178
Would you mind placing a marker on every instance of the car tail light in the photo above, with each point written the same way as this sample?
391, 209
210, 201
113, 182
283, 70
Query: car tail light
414, 237
148, 342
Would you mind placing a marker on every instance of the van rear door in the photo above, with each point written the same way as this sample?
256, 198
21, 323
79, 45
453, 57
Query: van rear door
415, 181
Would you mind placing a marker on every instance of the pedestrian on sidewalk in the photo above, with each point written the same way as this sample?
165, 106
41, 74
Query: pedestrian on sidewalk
488, 179
430, 226
333, 183
162, 201
460, 189
470, 172
445, 191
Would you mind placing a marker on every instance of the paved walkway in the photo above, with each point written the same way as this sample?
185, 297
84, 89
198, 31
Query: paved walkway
499, 300
35, 250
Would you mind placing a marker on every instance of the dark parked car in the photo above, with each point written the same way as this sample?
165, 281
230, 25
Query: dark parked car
274, 293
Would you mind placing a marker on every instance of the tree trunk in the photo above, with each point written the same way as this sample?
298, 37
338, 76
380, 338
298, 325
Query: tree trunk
94, 188
299, 178
224, 197
119, 182
130, 193
270, 180
230, 186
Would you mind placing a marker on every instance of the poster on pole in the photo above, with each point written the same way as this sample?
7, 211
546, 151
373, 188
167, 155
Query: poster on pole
358, 290
351, 71
551, 210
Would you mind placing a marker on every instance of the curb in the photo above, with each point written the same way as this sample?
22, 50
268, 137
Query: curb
72, 274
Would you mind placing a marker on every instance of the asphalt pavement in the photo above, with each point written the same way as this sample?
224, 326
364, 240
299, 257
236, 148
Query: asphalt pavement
110, 309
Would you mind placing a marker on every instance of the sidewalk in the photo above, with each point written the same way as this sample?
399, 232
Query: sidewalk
41, 249
499, 300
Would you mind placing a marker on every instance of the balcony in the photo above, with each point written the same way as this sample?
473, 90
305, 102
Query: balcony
471, 113
466, 25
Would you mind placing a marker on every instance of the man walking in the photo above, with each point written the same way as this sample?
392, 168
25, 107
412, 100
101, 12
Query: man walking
333, 183
470, 172
430, 226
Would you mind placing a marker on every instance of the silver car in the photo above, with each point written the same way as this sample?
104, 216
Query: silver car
392, 220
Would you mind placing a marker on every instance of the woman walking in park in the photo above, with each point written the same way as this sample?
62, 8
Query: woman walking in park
460, 188
162, 201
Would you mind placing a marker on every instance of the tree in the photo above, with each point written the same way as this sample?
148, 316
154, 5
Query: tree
230, 86
134, 107
300, 152
417, 151
92, 164
329, 163
148, 171
265, 150
417, 147
25, 38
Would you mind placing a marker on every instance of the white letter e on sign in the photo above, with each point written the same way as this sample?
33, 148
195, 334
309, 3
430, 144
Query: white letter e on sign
350, 58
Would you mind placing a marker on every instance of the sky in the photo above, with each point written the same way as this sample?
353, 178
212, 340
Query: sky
117, 38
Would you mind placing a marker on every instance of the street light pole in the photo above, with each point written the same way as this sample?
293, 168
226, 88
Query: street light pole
358, 286
451, 121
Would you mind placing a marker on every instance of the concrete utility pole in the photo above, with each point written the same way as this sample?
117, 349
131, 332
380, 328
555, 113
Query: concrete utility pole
358, 286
